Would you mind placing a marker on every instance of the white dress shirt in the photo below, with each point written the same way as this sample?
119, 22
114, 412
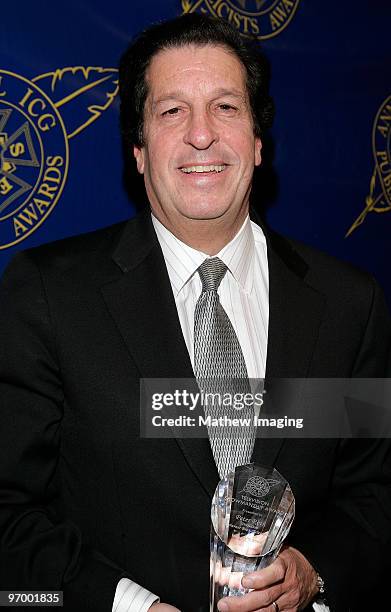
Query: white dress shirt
244, 295
243, 292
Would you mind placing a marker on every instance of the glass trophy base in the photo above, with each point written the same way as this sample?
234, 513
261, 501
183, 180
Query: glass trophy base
252, 511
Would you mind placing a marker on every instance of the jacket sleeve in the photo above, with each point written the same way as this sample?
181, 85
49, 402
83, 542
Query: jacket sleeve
348, 539
374, 356
37, 551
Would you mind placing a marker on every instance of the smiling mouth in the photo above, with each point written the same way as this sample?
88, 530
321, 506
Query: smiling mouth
199, 169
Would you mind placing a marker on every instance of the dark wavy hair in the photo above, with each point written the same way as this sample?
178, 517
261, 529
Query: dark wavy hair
188, 29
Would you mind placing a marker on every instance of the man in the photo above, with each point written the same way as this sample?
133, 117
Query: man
88, 506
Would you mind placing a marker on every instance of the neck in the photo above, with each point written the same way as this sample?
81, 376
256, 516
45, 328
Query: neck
206, 235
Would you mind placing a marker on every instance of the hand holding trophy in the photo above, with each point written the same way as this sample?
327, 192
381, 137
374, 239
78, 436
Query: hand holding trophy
252, 512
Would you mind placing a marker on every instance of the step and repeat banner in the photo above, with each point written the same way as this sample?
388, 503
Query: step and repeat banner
327, 173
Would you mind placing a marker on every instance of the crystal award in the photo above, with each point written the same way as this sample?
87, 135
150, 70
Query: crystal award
252, 512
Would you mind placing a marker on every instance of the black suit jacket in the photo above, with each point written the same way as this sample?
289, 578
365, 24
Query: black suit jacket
84, 501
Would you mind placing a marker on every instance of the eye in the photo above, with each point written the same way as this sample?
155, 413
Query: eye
226, 109
171, 111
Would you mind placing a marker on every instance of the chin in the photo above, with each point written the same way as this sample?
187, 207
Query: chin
204, 211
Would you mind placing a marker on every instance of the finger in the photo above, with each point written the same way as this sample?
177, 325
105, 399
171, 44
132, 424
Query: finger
270, 609
265, 577
289, 601
273, 608
254, 600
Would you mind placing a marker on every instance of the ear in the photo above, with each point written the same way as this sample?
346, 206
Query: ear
257, 151
138, 153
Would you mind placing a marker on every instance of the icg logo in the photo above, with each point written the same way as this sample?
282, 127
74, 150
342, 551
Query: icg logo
379, 198
34, 135
260, 18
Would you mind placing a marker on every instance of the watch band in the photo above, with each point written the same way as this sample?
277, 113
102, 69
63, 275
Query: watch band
321, 596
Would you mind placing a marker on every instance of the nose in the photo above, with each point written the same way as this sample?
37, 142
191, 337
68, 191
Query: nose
200, 132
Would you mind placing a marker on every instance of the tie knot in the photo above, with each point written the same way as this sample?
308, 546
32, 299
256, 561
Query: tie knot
211, 273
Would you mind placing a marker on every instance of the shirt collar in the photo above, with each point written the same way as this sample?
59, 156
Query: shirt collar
182, 260
238, 256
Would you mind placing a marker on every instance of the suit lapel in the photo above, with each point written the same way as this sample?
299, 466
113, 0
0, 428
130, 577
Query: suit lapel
295, 314
296, 311
143, 307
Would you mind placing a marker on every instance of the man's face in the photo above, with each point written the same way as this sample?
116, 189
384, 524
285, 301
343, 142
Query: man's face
200, 149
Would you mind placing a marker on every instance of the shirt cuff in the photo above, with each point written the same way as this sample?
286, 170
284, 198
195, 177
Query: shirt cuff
131, 597
320, 607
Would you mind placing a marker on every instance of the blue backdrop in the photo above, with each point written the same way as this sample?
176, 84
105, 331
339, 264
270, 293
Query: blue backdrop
60, 150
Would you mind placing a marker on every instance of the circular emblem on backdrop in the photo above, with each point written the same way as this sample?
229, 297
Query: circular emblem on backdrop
33, 157
379, 198
37, 119
260, 18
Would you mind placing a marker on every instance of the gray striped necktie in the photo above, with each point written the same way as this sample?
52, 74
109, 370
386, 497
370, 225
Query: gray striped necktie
219, 367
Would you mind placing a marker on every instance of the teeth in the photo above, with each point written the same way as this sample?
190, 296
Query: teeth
203, 169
